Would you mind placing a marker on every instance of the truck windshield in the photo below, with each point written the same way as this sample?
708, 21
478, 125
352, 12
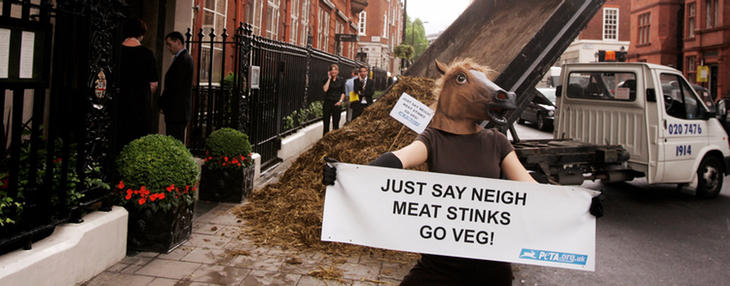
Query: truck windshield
620, 86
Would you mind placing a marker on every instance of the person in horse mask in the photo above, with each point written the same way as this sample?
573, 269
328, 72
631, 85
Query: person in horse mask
454, 143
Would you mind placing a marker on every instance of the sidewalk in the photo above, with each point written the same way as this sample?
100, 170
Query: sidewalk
217, 255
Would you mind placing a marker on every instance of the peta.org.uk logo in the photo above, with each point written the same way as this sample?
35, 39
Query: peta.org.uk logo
553, 256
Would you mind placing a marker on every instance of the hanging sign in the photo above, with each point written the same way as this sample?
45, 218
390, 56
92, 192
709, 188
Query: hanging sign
254, 76
702, 73
461, 216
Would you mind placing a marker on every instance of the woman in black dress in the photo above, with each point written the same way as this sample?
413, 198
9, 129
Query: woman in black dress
138, 81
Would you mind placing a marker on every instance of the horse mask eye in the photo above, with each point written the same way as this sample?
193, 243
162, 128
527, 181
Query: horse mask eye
461, 78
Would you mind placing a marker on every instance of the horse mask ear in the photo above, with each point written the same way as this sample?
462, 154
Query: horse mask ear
440, 67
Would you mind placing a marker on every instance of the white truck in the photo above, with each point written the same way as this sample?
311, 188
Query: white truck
618, 121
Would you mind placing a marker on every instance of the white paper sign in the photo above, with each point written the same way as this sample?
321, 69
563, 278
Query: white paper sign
412, 113
4, 52
27, 43
461, 216
255, 76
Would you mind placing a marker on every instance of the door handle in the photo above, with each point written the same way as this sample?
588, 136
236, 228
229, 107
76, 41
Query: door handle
665, 124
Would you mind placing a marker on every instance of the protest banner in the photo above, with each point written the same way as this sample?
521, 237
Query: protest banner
461, 216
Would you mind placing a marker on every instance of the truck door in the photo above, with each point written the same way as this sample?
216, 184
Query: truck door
683, 129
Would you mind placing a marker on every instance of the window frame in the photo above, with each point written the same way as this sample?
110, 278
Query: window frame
362, 23
606, 25
644, 29
590, 73
205, 45
701, 109
272, 25
691, 20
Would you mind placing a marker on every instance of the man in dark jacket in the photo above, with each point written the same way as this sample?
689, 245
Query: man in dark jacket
365, 89
176, 100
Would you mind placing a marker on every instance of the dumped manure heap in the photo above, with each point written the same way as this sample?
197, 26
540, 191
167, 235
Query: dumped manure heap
288, 214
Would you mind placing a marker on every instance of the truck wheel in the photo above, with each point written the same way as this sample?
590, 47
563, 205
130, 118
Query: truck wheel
709, 176
540, 122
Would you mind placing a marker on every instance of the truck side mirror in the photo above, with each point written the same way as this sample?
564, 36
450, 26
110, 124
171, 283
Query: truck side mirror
650, 95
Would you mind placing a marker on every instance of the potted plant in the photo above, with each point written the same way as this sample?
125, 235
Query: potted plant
157, 178
228, 169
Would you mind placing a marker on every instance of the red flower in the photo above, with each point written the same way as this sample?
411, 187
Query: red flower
141, 201
234, 161
160, 196
226, 158
128, 196
170, 188
120, 185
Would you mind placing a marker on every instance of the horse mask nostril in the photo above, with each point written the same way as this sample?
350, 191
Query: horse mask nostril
501, 95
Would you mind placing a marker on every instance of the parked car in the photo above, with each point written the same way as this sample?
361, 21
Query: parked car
541, 112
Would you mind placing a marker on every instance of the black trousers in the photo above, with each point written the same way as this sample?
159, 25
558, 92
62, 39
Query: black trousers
330, 111
176, 129
357, 109
444, 270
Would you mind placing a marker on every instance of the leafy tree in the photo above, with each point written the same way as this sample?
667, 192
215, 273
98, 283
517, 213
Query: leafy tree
404, 51
416, 36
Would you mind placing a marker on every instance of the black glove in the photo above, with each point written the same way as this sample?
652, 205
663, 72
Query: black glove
596, 208
329, 172
387, 159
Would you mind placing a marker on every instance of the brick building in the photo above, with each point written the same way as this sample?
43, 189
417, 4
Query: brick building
292, 21
706, 41
380, 30
608, 30
685, 34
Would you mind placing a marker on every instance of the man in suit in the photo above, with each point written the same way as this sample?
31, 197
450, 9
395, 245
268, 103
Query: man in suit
176, 100
365, 89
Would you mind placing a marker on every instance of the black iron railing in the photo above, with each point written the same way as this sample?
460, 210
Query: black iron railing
284, 98
55, 161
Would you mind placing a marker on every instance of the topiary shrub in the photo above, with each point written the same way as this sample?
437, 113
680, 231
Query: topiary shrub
158, 172
227, 148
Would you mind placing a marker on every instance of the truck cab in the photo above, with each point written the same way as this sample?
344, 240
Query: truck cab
672, 136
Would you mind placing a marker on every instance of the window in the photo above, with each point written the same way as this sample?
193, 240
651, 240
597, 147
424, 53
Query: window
610, 24
691, 71
618, 86
323, 31
691, 18
679, 100
362, 24
711, 10
294, 30
272, 23
305, 22
385, 26
214, 17
644, 25
254, 9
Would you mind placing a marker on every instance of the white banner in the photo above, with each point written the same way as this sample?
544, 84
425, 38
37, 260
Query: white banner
461, 216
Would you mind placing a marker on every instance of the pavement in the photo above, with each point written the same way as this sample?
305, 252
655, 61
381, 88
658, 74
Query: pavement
217, 254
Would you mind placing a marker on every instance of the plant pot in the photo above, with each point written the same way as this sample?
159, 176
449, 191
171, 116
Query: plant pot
226, 185
159, 231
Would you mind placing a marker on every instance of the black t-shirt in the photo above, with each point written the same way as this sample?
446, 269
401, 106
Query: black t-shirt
336, 89
137, 71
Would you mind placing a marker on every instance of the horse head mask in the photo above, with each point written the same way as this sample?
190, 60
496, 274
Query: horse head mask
466, 96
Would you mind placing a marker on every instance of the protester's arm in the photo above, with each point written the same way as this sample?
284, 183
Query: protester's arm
514, 170
412, 155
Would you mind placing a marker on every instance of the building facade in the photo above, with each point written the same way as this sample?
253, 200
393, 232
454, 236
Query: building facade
292, 21
685, 34
706, 42
380, 30
608, 30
